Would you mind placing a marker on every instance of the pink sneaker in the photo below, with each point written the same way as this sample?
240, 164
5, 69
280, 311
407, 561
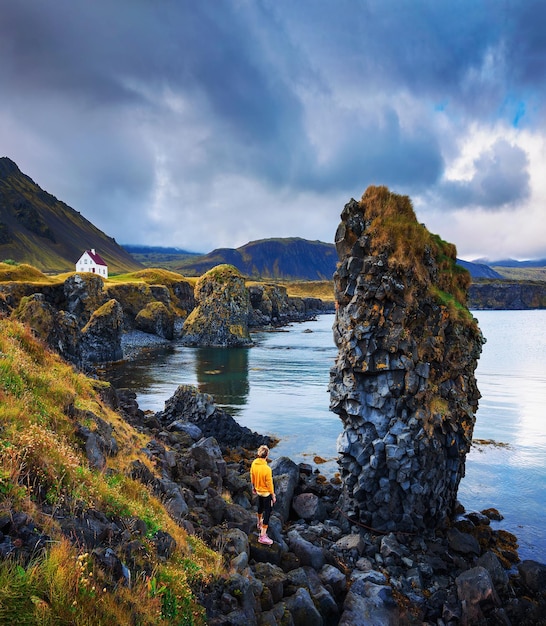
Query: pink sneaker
265, 539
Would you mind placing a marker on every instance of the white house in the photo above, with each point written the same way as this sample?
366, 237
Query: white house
92, 262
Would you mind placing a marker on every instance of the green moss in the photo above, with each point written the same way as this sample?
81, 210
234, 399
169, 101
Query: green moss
221, 273
395, 231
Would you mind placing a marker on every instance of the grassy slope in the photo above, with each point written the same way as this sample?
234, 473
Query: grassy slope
40, 230
39, 454
522, 273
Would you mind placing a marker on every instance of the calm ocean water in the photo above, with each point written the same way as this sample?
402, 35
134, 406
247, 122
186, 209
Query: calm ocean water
280, 387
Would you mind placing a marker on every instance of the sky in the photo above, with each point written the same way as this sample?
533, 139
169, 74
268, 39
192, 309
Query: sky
211, 123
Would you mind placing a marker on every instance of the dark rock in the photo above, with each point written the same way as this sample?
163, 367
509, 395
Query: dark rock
165, 544
273, 577
369, 604
498, 574
533, 575
303, 610
101, 336
307, 553
308, 506
475, 590
403, 384
221, 315
463, 542
187, 404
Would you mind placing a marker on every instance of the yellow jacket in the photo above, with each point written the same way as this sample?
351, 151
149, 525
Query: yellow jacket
262, 477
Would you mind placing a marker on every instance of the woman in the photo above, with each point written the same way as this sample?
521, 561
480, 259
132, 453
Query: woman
261, 477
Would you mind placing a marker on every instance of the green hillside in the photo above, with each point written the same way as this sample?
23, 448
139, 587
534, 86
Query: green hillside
38, 229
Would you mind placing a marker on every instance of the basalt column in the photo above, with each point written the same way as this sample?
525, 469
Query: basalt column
403, 383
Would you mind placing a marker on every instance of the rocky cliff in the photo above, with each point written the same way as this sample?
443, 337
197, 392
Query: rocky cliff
70, 315
507, 295
403, 383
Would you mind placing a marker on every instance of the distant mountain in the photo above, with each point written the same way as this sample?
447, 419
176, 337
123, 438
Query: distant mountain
159, 256
514, 263
38, 229
146, 250
277, 259
479, 270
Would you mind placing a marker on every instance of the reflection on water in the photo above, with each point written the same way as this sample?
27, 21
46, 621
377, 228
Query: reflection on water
224, 374
156, 374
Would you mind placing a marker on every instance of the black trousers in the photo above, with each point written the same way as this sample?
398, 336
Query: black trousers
265, 504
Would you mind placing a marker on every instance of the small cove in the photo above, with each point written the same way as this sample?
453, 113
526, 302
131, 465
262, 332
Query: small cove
280, 387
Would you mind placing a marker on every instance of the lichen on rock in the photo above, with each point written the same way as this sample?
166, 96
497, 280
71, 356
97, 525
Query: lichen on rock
403, 383
222, 312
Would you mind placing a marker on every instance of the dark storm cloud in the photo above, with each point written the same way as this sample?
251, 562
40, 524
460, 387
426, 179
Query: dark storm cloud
148, 109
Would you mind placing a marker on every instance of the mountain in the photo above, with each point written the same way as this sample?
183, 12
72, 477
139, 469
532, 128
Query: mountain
513, 263
479, 270
280, 259
159, 256
38, 229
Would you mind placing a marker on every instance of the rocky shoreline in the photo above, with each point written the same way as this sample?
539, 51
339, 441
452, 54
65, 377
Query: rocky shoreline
324, 568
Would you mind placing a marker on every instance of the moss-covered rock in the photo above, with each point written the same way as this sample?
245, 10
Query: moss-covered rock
403, 384
58, 329
156, 319
222, 312
101, 336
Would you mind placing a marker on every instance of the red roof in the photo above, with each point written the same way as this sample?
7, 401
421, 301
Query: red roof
96, 257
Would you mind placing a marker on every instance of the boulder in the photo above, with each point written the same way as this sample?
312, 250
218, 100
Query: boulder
369, 604
475, 590
187, 404
101, 336
223, 307
307, 553
156, 319
308, 506
303, 610
533, 575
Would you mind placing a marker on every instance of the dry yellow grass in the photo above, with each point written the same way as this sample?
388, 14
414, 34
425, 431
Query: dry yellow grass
39, 453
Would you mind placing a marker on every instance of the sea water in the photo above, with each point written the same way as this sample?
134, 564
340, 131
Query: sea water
280, 387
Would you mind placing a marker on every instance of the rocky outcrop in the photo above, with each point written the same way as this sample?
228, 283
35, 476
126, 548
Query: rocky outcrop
58, 329
507, 295
59, 312
221, 315
155, 318
403, 383
188, 406
272, 306
98, 341
101, 336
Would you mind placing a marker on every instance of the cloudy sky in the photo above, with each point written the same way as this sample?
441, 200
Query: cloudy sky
211, 123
